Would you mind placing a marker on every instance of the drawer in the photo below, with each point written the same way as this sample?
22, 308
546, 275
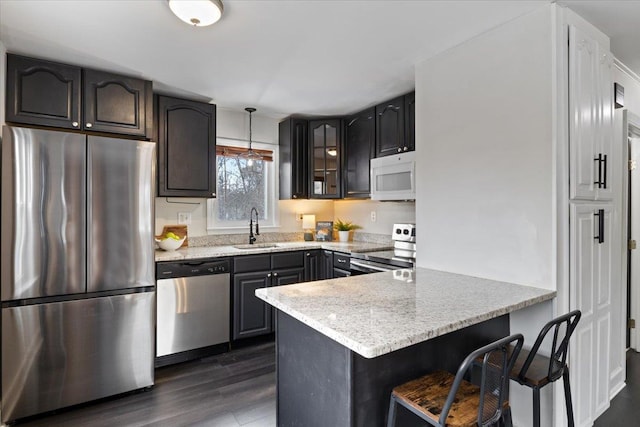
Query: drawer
341, 260
249, 263
287, 260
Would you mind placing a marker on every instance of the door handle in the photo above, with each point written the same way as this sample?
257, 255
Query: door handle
600, 236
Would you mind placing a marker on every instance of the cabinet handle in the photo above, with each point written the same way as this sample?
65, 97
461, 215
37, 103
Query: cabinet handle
405, 149
294, 197
602, 170
213, 194
268, 274
308, 254
275, 274
399, 149
604, 176
600, 215
74, 124
342, 261
89, 125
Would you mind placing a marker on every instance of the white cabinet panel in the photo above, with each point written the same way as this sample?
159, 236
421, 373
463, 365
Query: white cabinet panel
593, 230
591, 117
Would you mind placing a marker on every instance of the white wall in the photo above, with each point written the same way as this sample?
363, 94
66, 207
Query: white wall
386, 213
486, 166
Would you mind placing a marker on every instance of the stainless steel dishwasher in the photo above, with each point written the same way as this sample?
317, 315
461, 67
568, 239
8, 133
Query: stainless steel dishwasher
193, 303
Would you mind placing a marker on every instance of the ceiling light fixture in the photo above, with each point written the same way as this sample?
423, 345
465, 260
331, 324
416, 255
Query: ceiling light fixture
198, 13
250, 156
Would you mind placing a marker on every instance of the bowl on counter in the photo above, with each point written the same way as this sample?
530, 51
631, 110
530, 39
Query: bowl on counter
169, 244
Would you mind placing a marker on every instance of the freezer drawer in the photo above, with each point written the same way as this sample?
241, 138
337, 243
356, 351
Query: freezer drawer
60, 354
193, 312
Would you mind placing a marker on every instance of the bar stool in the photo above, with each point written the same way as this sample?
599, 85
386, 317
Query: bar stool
444, 400
536, 371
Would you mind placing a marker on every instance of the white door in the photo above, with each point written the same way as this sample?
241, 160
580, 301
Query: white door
590, 109
592, 229
634, 224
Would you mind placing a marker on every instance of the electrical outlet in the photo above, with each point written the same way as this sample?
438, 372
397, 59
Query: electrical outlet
374, 216
298, 217
184, 218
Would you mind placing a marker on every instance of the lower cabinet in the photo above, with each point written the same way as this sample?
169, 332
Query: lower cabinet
251, 316
341, 265
327, 264
313, 266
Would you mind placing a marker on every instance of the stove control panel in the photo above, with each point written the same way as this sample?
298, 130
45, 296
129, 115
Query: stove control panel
404, 232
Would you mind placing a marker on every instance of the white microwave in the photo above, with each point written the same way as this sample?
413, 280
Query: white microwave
394, 177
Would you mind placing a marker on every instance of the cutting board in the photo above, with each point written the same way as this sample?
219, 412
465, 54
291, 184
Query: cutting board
178, 230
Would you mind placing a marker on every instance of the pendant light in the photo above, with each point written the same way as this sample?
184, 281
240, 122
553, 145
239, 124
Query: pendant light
198, 13
250, 155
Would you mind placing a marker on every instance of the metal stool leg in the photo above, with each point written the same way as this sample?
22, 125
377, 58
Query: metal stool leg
567, 397
536, 407
506, 418
391, 421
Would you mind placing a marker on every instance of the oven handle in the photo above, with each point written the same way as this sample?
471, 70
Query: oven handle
367, 267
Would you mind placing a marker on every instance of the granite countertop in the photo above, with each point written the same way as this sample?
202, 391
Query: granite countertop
222, 251
375, 314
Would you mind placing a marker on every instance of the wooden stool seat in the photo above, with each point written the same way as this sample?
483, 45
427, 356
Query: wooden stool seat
538, 373
446, 400
427, 394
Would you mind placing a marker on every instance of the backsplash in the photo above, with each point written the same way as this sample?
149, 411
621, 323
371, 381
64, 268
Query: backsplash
237, 239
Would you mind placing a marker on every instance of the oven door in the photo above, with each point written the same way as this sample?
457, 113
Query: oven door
361, 266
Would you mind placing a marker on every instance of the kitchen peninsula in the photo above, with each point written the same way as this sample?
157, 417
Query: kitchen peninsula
343, 344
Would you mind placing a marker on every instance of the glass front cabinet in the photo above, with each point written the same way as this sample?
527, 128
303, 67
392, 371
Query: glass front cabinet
324, 139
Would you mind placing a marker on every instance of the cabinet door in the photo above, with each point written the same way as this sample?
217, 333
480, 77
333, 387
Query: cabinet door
324, 140
313, 266
114, 103
42, 93
359, 145
287, 276
410, 121
593, 238
251, 316
390, 127
591, 118
327, 264
293, 159
186, 148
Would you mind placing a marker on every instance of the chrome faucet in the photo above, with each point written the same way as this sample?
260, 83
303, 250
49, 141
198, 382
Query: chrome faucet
252, 238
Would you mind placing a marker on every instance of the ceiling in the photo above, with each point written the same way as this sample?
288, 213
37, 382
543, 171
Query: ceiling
282, 57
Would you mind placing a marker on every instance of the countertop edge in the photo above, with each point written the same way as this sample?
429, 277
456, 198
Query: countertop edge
371, 352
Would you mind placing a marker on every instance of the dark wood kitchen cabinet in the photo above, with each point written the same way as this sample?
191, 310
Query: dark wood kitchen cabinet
252, 316
341, 264
46, 93
43, 93
186, 147
116, 104
359, 149
325, 159
313, 265
327, 264
293, 159
395, 125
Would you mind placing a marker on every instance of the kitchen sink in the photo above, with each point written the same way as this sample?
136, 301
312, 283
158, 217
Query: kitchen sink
256, 246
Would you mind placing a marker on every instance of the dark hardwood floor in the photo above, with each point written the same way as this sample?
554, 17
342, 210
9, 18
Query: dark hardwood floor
229, 390
625, 407
238, 389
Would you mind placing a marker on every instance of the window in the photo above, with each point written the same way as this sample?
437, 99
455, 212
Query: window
241, 186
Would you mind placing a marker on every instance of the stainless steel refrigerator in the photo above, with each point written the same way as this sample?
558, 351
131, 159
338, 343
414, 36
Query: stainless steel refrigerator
77, 268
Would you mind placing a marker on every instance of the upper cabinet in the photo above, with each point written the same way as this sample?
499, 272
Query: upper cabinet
293, 159
325, 170
395, 125
46, 93
116, 104
186, 148
591, 124
359, 146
